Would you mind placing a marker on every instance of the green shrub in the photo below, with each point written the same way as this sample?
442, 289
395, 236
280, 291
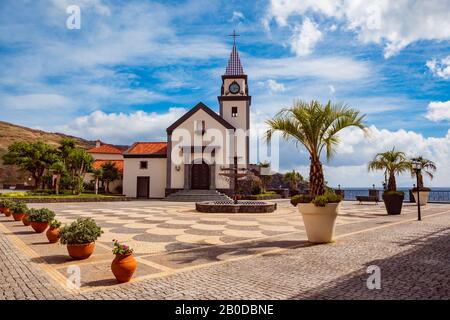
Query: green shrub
394, 193
421, 189
54, 224
19, 207
81, 231
16, 194
301, 198
5, 203
40, 215
319, 201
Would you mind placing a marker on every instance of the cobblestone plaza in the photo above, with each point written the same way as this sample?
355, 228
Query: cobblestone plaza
183, 254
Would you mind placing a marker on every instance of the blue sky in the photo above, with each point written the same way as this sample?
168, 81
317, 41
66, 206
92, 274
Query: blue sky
136, 66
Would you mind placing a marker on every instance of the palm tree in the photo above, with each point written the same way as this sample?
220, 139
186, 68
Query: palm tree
110, 173
393, 163
98, 175
316, 127
293, 178
59, 169
428, 167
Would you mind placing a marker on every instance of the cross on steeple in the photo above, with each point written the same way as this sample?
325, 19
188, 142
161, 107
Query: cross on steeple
234, 35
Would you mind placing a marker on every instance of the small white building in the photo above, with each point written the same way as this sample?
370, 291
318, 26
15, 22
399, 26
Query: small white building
199, 145
103, 153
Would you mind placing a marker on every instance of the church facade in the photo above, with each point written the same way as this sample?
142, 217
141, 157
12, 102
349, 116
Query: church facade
200, 145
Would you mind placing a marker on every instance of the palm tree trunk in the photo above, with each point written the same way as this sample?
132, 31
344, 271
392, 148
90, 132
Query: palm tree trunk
58, 178
96, 186
316, 178
392, 184
420, 183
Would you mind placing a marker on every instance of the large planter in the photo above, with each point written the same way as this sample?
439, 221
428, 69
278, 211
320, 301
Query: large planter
18, 216
393, 203
39, 227
423, 197
123, 267
52, 235
25, 220
81, 251
319, 221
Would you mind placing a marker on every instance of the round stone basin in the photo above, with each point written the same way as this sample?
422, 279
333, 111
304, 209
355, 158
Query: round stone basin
240, 207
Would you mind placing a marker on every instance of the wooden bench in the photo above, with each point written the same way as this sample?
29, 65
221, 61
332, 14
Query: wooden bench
362, 199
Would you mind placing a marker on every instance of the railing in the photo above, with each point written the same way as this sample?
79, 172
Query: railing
434, 195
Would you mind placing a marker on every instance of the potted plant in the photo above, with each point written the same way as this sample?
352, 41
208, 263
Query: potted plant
428, 167
19, 209
5, 207
124, 265
80, 237
316, 127
25, 220
40, 218
53, 231
393, 163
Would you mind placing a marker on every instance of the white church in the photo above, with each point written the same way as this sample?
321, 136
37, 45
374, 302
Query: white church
199, 146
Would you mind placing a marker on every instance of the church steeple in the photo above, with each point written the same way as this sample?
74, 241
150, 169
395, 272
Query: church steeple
234, 66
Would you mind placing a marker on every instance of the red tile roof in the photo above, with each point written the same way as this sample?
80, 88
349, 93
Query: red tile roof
148, 148
105, 148
118, 163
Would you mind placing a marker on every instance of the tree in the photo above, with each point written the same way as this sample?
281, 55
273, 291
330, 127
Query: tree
428, 167
393, 163
34, 157
110, 173
77, 161
58, 168
293, 178
316, 127
98, 174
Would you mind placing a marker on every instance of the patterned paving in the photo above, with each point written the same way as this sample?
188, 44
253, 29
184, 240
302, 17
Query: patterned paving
169, 238
152, 229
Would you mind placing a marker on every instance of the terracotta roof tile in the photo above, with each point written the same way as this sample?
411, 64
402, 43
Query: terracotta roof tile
148, 148
105, 148
118, 163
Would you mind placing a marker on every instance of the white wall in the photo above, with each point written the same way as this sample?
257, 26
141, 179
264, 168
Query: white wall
184, 135
156, 170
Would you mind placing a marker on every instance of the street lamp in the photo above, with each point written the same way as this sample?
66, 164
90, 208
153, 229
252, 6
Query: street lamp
417, 167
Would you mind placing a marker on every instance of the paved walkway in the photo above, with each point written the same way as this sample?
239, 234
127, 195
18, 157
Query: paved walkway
186, 255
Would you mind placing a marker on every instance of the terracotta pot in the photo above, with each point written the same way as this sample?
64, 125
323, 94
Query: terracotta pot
81, 251
3, 210
25, 220
6, 211
319, 221
52, 235
39, 227
123, 267
393, 203
18, 216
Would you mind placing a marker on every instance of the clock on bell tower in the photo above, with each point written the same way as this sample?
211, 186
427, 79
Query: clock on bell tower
234, 100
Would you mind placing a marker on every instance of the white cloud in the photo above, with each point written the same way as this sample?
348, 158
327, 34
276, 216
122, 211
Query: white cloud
332, 89
305, 37
394, 24
438, 111
328, 68
40, 101
440, 68
123, 128
237, 16
274, 86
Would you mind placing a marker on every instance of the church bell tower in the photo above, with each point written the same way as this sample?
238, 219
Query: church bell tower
234, 100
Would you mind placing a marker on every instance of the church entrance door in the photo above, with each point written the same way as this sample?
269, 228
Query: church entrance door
200, 176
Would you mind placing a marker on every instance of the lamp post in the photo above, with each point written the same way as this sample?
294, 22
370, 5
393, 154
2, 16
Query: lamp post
417, 167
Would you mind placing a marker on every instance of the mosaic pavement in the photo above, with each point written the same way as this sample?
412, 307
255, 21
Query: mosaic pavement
169, 238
